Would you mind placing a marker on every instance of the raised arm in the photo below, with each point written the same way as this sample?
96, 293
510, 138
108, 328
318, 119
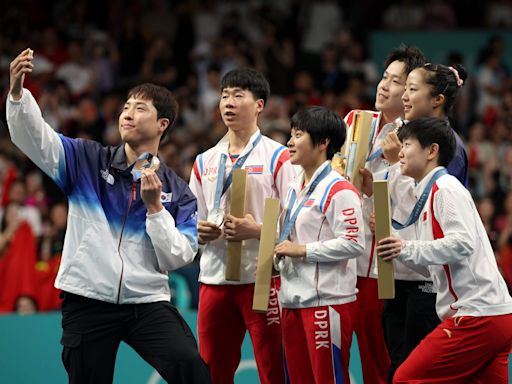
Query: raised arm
28, 130
20, 66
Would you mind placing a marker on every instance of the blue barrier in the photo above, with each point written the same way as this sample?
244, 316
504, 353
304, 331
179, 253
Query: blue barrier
30, 353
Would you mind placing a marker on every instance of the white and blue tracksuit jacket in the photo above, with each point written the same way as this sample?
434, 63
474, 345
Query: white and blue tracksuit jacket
113, 251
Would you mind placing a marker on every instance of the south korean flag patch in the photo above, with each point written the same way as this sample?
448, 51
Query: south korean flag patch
165, 197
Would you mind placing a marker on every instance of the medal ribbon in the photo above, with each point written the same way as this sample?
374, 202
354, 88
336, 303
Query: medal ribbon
222, 186
289, 219
421, 201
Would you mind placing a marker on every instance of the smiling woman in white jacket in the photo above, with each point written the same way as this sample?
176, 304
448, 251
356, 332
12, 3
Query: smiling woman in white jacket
322, 233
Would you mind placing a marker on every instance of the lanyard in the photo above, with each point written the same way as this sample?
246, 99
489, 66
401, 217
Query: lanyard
289, 220
222, 186
375, 155
421, 201
372, 142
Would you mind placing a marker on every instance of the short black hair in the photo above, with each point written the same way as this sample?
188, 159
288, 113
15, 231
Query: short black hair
430, 130
412, 57
248, 79
163, 100
321, 123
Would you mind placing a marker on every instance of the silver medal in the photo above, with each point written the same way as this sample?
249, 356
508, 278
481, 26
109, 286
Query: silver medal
216, 216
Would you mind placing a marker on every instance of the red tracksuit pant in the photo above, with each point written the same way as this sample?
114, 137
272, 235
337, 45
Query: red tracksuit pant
461, 350
225, 313
317, 343
370, 336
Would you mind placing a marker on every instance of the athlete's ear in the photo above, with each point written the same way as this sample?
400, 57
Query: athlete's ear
433, 151
324, 143
260, 104
163, 123
439, 100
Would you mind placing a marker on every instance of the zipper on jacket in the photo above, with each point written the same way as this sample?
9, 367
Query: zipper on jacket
133, 195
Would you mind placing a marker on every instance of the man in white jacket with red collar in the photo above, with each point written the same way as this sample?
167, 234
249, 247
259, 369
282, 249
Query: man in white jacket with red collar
225, 307
378, 334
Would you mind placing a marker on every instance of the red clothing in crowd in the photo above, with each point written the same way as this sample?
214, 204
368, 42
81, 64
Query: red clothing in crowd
17, 268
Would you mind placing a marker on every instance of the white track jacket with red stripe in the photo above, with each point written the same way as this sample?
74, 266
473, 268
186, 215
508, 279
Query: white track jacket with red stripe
331, 225
269, 172
453, 243
378, 166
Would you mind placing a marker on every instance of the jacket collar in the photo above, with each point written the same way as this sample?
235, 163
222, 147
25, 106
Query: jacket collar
119, 163
223, 145
298, 183
418, 189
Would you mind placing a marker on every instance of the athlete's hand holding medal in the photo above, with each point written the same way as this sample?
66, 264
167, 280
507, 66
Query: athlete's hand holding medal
151, 186
391, 145
216, 216
211, 229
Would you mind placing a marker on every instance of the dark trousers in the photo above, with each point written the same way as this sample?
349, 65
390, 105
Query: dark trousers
93, 330
407, 319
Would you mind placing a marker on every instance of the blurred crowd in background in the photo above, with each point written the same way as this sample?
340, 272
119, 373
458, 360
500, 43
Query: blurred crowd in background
87, 55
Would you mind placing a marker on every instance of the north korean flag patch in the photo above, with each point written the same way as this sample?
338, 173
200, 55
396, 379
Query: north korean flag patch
309, 203
425, 216
254, 169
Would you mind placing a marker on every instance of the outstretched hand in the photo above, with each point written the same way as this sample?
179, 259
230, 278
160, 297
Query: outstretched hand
20, 66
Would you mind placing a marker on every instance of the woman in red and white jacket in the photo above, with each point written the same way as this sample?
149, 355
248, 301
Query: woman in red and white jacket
321, 234
474, 339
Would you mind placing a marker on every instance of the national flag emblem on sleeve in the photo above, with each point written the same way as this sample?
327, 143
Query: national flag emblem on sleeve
254, 169
309, 203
